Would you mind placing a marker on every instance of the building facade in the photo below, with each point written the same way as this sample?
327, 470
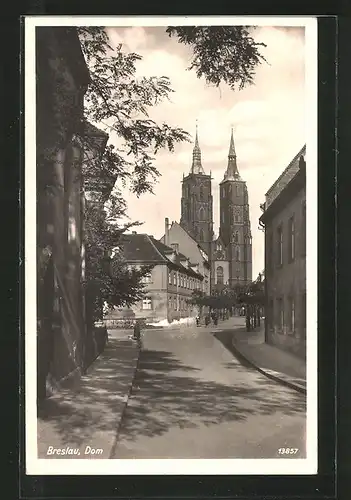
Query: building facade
176, 235
169, 286
229, 255
284, 222
62, 79
65, 347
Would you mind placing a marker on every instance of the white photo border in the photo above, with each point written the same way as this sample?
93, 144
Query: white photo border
34, 465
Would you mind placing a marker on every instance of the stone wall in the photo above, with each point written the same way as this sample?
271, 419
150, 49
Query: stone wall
62, 79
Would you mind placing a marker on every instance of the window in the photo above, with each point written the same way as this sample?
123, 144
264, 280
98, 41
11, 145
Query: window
238, 193
236, 237
280, 315
169, 277
291, 241
147, 303
270, 314
220, 275
269, 251
201, 193
181, 280
291, 315
236, 218
237, 254
303, 229
202, 214
147, 279
280, 246
201, 237
174, 279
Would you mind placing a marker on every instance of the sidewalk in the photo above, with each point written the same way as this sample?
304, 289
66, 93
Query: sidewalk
276, 364
86, 417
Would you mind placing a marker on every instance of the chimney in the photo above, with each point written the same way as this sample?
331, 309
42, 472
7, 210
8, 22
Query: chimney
167, 231
175, 247
134, 232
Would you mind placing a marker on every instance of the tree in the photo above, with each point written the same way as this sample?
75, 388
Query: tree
252, 297
109, 280
120, 102
227, 54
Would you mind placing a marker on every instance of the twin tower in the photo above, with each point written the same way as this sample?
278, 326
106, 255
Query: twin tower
230, 254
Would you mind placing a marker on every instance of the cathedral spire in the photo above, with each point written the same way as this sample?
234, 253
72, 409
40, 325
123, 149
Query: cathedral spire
231, 146
196, 167
232, 173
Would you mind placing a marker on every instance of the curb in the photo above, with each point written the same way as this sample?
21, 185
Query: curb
291, 385
127, 397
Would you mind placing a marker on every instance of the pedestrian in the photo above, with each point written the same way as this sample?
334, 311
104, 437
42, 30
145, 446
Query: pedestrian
137, 331
197, 320
215, 319
207, 319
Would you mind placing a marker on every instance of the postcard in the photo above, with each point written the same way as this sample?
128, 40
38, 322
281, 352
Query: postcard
170, 286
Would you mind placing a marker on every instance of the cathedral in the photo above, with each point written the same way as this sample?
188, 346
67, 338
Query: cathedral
229, 254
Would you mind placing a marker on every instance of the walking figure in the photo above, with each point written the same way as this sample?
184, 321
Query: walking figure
207, 319
197, 320
215, 319
137, 333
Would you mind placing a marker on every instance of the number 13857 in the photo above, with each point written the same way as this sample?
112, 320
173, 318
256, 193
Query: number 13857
288, 451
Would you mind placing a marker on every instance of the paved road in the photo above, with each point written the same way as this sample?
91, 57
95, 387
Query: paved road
193, 399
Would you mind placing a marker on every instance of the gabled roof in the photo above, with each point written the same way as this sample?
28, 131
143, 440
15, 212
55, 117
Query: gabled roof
175, 223
138, 248
142, 248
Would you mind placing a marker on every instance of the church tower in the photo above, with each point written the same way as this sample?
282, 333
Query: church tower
235, 229
196, 204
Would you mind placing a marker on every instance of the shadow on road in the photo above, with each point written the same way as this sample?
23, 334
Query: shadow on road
75, 414
168, 393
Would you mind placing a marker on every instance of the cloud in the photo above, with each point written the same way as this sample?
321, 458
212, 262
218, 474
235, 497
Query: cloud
268, 119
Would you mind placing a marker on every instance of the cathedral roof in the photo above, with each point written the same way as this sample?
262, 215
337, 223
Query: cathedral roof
196, 167
232, 173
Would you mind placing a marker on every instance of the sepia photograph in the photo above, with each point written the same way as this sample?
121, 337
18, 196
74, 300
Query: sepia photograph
171, 245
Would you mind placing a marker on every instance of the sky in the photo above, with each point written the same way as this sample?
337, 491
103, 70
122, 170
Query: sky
268, 119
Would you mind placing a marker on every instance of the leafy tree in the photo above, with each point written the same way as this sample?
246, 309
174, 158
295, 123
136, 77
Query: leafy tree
109, 280
119, 102
227, 54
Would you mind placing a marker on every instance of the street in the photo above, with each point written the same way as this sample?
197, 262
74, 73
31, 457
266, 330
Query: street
193, 399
